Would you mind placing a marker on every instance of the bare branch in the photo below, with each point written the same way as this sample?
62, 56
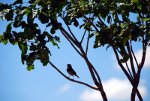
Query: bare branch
131, 60
98, 77
143, 55
70, 41
129, 70
102, 21
126, 73
68, 35
70, 30
87, 45
134, 56
91, 23
71, 33
120, 64
76, 81
83, 37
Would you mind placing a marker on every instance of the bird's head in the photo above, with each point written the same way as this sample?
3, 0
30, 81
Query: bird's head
68, 65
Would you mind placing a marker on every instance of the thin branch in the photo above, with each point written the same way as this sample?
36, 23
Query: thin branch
129, 70
126, 73
98, 77
87, 45
76, 81
143, 55
131, 59
120, 64
102, 21
83, 37
134, 56
71, 32
71, 43
68, 35
91, 23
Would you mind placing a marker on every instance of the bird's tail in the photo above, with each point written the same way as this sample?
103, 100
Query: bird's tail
77, 76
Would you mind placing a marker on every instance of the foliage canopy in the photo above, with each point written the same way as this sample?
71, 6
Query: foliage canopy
107, 21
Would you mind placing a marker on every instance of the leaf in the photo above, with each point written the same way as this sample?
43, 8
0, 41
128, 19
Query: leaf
125, 58
76, 23
28, 11
17, 2
109, 19
30, 58
52, 30
30, 67
43, 18
44, 57
9, 15
1, 37
31, 1
23, 47
135, 1
8, 28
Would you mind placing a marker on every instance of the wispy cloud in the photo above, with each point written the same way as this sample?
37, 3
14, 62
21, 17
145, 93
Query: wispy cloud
116, 90
64, 88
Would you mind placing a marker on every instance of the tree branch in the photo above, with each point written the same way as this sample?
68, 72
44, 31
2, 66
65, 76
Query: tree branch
87, 44
102, 21
76, 81
131, 60
70, 30
83, 37
134, 56
129, 71
70, 41
126, 73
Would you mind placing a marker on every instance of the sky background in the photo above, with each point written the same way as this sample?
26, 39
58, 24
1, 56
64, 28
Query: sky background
46, 84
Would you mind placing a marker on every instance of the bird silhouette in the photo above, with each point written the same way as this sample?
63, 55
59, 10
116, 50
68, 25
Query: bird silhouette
71, 71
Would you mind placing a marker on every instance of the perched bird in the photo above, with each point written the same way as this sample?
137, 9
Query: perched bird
71, 71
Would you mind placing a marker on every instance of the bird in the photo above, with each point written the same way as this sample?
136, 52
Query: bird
70, 71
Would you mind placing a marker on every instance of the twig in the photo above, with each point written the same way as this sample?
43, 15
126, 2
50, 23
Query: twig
102, 21
129, 70
70, 30
83, 37
70, 41
87, 45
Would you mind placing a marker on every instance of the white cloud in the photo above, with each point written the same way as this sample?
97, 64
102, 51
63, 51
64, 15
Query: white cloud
116, 90
138, 54
64, 88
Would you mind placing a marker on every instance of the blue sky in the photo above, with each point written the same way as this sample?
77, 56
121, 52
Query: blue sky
46, 84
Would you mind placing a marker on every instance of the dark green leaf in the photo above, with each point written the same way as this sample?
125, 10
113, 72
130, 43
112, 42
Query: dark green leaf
9, 15
23, 47
125, 58
76, 23
43, 18
30, 58
17, 2
44, 56
52, 30
8, 28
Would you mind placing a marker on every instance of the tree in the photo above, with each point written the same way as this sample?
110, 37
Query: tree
108, 22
